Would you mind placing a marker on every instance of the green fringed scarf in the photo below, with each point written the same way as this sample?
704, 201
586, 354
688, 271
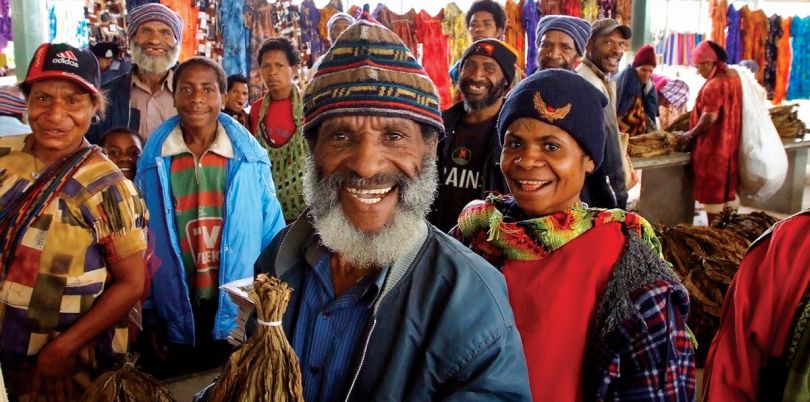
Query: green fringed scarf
497, 229
288, 162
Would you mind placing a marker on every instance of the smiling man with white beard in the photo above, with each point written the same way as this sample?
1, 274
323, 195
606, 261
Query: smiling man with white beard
386, 306
142, 99
469, 155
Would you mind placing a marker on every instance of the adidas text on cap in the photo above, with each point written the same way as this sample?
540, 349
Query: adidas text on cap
59, 60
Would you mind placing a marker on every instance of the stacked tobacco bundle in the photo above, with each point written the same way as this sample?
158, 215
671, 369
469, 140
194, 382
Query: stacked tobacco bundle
265, 368
126, 384
706, 259
681, 123
787, 122
655, 143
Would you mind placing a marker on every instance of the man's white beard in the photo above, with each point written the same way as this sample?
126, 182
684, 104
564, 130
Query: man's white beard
370, 249
153, 64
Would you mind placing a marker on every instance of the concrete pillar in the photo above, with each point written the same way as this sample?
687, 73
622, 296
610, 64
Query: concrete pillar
29, 30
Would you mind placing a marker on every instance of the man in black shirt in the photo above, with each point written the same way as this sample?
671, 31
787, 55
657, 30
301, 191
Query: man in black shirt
469, 156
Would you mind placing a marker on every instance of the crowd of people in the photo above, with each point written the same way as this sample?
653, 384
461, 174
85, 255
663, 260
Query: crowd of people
483, 252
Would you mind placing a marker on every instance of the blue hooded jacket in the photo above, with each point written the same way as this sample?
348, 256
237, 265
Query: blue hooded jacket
252, 218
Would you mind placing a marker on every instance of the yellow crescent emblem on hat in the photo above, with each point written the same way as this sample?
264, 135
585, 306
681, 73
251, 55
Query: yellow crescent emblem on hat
549, 113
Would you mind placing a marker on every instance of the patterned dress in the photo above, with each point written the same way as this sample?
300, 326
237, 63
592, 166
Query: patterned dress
59, 267
714, 159
434, 53
799, 87
783, 62
771, 54
515, 35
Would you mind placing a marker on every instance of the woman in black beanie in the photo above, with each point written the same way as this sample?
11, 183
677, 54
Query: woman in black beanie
600, 313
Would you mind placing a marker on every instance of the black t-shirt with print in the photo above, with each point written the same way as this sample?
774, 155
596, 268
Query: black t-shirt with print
462, 176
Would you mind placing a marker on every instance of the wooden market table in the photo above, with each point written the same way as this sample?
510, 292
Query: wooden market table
667, 185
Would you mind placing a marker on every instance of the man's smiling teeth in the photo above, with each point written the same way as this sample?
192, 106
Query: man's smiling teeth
369, 196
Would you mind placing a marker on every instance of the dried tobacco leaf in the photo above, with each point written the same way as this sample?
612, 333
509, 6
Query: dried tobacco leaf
265, 368
127, 384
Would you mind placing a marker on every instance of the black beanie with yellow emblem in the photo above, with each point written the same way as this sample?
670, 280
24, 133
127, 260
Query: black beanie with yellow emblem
564, 99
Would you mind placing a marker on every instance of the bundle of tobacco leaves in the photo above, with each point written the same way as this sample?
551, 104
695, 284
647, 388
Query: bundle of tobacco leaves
126, 384
655, 143
785, 119
680, 123
706, 259
265, 368
749, 226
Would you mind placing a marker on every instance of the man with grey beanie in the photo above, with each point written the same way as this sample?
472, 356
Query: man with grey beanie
561, 41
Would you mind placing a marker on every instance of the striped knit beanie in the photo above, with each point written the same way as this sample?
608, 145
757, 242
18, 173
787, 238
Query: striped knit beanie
154, 12
370, 72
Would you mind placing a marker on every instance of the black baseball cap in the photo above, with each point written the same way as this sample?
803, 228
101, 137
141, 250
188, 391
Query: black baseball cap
60, 60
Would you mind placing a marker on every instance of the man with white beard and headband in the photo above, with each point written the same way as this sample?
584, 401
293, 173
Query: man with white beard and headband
469, 156
142, 99
386, 307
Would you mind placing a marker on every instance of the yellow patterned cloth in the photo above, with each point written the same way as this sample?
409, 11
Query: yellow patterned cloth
60, 265
454, 26
515, 35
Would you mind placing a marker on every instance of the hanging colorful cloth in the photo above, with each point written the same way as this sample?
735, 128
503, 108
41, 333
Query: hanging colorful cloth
733, 36
68, 23
325, 14
799, 84
235, 38
530, 19
403, 25
382, 14
624, 12
188, 14
590, 10
784, 56
551, 7
607, 8
434, 53
515, 35
454, 27
771, 53
755, 34
259, 20
311, 40
572, 8
718, 10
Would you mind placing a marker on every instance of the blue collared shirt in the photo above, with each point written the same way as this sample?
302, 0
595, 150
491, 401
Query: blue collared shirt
328, 330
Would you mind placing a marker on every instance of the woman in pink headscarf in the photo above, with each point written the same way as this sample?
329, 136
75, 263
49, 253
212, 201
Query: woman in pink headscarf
715, 130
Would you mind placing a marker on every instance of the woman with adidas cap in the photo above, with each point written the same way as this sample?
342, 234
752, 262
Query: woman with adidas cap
72, 236
600, 313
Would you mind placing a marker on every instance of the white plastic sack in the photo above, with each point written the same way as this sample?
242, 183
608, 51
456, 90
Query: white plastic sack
763, 162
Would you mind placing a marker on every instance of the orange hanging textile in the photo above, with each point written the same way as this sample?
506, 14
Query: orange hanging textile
183, 8
783, 60
755, 34
515, 34
719, 11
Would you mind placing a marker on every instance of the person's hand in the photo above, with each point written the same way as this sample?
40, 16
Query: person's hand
53, 371
158, 341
